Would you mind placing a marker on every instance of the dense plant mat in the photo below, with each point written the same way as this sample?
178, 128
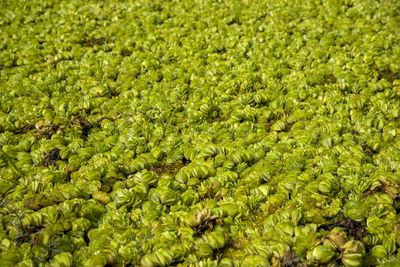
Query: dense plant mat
199, 133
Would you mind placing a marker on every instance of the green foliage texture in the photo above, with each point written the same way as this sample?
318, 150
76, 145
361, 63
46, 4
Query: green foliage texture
199, 133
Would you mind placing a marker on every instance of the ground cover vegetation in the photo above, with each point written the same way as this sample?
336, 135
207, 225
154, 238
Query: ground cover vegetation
199, 133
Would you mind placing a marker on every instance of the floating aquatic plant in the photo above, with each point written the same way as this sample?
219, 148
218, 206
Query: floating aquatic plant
199, 133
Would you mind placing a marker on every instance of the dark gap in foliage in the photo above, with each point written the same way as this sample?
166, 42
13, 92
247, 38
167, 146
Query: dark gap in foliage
83, 124
207, 224
29, 234
92, 42
169, 169
288, 126
25, 128
396, 205
389, 75
185, 161
290, 258
368, 150
86, 239
125, 53
269, 124
218, 255
351, 227
114, 93
385, 187
329, 79
236, 244
234, 20
221, 51
45, 130
354, 229
51, 158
